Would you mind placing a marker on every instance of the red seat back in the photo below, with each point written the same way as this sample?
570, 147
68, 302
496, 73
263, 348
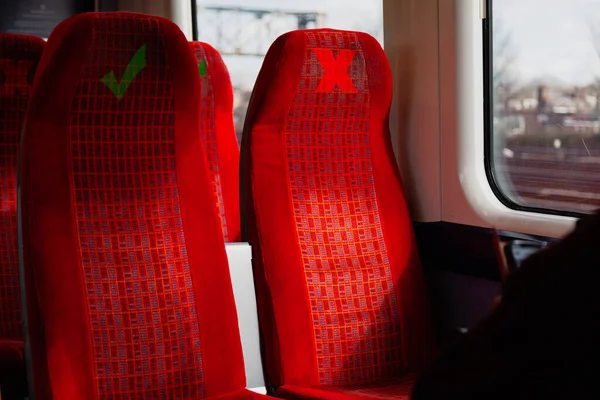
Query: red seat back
19, 56
124, 252
340, 288
218, 136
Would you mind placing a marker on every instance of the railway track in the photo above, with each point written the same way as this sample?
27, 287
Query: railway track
563, 179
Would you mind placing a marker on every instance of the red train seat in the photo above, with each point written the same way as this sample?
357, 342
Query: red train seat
342, 303
218, 136
125, 263
19, 56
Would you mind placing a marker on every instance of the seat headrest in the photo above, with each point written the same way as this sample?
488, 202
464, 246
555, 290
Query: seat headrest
19, 56
114, 57
334, 61
210, 62
302, 66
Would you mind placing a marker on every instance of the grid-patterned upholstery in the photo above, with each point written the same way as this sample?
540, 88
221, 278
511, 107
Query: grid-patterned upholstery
346, 266
132, 245
19, 56
218, 135
129, 253
317, 139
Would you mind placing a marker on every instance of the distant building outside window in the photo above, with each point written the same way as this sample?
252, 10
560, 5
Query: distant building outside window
544, 83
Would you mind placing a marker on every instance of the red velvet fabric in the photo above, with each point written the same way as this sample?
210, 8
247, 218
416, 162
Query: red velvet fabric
397, 389
19, 57
339, 284
130, 294
218, 135
241, 395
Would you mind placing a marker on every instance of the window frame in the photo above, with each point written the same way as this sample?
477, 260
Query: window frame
194, 10
488, 127
466, 195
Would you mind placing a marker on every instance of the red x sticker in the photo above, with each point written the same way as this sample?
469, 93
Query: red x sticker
13, 77
336, 70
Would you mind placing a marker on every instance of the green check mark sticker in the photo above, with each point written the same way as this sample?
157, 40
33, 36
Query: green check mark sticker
202, 68
137, 63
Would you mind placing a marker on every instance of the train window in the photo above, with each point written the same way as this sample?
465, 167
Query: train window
243, 30
543, 113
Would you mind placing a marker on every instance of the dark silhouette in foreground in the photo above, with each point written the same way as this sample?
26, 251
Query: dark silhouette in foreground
541, 341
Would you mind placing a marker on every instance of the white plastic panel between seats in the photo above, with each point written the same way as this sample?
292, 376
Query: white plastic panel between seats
240, 266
